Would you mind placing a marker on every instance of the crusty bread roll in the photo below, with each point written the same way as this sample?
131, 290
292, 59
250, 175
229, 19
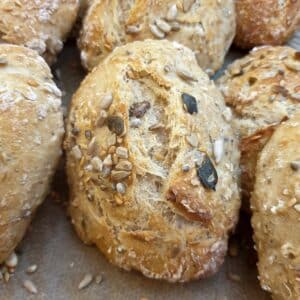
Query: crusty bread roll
205, 26
265, 22
152, 163
41, 25
263, 89
31, 129
276, 211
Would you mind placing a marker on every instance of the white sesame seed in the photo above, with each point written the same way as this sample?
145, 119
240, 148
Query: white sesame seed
106, 101
163, 25
30, 286
132, 29
76, 152
172, 13
86, 281
218, 149
12, 260
31, 269
121, 188
97, 163
156, 31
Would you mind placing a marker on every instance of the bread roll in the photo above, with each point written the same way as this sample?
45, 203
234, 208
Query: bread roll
263, 89
276, 210
205, 26
31, 129
267, 22
40, 25
152, 163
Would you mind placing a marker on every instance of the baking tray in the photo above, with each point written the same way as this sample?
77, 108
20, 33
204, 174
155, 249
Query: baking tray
63, 259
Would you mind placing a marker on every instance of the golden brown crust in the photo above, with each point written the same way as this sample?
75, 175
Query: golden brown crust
31, 129
263, 90
276, 209
144, 206
40, 25
205, 26
268, 22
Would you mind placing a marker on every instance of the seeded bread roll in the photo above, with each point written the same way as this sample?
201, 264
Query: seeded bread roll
276, 210
152, 163
263, 89
267, 22
205, 26
40, 25
31, 129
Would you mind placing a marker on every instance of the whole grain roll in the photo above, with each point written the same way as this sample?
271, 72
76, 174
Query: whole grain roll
40, 25
263, 89
152, 163
276, 211
31, 130
267, 22
205, 26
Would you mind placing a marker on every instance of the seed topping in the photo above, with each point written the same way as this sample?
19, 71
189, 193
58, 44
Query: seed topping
207, 173
189, 103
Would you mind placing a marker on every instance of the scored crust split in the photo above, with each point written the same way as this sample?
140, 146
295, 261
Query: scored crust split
40, 25
31, 131
263, 89
276, 211
205, 26
152, 163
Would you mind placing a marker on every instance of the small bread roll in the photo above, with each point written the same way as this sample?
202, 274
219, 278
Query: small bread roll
31, 130
265, 22
40, 25
276, 211
263, 89
205, 26
152, 163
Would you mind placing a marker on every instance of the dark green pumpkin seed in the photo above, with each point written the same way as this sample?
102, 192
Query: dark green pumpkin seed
189, 103
115, 124
207, 173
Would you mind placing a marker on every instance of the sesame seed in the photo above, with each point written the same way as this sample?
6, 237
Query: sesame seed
86, 281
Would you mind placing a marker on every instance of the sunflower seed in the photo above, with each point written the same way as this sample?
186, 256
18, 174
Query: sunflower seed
111, 140
3, 61
31, 269
295, 165
156, 32
12, 260
163, 25
116, 124
101, 118
193, 140
172, 13
156, 126
124, 165
218, 149
92, 146
30, 286
189, 103
97, 164
133, 29
107, 162
185, 75
227, 114
119, 175
295, 96
122, 152
292, 65
121, 188
86, 281
106, 101
207, 173
139, 109
76, 152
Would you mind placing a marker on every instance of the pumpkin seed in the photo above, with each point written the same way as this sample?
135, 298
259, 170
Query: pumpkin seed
115, 124
139, 109
189, 103
207, 173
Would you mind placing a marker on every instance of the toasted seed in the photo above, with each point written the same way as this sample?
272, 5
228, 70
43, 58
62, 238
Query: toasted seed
86, 281
227, 114
101, 118
207, 173
295, 96
156, 31
92, 146
156, 126
111, 140
186, 168
218, 149
185, 75
124, 165
172, 13
297, 207
189, 103
121, 188
135, 122
192, 140
106, 101
3, 61
139, 109
107, 162
31, 269
97, 164
175, 26
12, 260
295, 165
163, 25
116, 124
119, 175
30, 286
297, 55
122, 152
292, 65
133, 29
76, 152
